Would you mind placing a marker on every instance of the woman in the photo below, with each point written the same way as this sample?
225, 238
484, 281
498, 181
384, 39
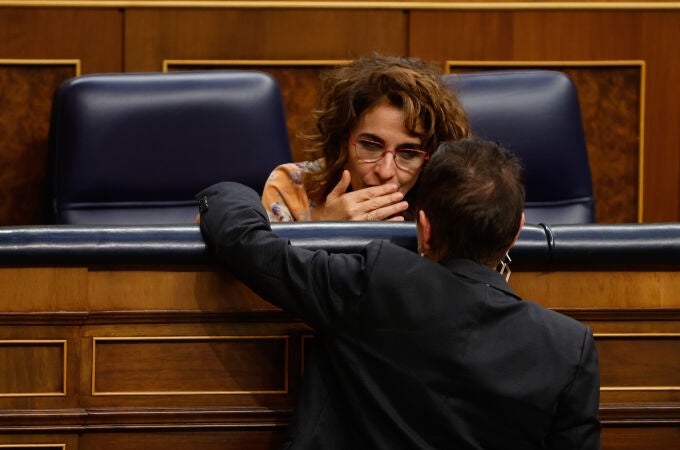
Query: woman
380, 119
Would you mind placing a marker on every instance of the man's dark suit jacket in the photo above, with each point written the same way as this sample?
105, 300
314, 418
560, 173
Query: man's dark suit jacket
411, 354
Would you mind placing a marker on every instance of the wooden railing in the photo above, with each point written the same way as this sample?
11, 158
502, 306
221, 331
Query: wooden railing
132, 337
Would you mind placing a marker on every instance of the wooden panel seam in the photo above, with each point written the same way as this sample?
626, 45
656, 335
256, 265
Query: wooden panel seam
60, 446
42, 62
376, 5
168, 63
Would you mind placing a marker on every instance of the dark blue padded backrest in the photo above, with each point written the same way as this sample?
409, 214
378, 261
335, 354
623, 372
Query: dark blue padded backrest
536, 115
135, 148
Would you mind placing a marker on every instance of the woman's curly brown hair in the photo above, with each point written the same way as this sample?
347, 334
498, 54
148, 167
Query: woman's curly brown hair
410, 84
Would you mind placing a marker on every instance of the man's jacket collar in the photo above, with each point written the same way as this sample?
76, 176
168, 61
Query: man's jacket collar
480, 273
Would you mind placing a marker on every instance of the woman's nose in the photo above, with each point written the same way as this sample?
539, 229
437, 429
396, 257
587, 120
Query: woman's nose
386, 167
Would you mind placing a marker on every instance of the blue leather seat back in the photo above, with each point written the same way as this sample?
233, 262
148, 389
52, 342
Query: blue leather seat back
134, 148
535, 114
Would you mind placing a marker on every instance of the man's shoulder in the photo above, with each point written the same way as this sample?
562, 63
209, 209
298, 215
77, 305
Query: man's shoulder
554, 322
390, 251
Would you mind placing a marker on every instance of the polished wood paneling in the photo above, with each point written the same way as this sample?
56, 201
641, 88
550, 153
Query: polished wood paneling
638, 351
91, 35
170, 290
190, 365
76, 289
39, 364
145, 373
639, 368
33, 368
660, 42
244, 438
26, 101
259, 34
36, 442
33, 446
611, 107
600, 35
645, 362
38, 289
631, 437
190, 359
581, 289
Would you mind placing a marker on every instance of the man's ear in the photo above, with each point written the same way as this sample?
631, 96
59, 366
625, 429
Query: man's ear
424, 232
521, 224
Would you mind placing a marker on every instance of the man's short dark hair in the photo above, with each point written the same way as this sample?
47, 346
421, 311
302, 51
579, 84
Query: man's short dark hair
472, 191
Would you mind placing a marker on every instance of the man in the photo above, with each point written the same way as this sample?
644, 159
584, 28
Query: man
414, 352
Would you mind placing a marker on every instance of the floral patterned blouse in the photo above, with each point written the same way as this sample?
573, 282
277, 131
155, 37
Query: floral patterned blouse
285, 196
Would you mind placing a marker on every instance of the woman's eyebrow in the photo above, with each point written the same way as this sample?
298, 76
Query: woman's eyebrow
372, 137
376, 138
415, 145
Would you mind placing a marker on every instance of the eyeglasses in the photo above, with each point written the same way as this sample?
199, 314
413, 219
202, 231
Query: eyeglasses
410, 159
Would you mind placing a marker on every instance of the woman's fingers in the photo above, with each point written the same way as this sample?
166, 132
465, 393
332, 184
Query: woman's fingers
391, 211
372, 203
376, 203
375, 192
340, 188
